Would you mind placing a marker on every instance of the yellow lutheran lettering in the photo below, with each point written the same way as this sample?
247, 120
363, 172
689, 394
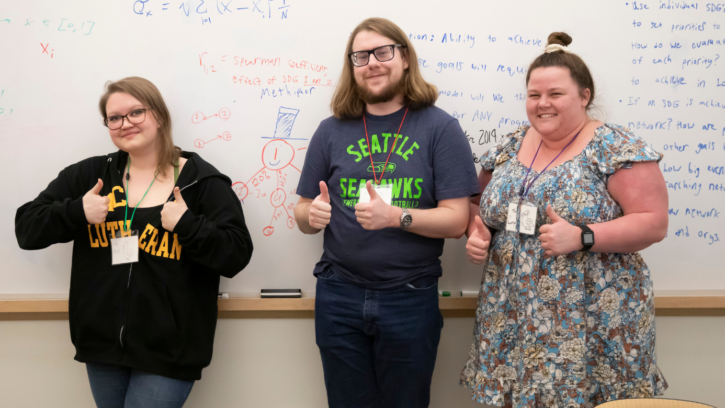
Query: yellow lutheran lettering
141, 244
152, 242
94, 242
153, 247
148, 241
176, 250
102, 234
164, 247
112, 203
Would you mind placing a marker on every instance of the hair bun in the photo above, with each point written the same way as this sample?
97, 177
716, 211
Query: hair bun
559, 38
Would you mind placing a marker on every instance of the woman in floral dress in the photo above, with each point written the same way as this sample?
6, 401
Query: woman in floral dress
561, 324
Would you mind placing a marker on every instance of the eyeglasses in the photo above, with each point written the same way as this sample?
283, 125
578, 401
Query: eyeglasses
115, 122
382, 54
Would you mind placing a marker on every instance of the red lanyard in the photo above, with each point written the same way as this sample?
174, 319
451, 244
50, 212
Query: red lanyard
375, 178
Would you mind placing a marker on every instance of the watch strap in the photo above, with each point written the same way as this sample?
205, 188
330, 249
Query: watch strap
587, 237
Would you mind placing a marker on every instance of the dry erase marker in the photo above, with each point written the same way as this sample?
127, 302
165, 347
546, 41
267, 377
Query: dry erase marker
223, 296
469, 293
444, 293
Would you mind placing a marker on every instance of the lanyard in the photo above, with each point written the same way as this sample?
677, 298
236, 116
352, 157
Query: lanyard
389, 153
125, 218
524, 187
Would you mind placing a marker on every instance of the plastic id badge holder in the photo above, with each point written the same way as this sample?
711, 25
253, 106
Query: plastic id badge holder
124, 248
385, 192
528, 218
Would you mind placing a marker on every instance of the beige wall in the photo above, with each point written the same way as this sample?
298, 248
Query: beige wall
274, 363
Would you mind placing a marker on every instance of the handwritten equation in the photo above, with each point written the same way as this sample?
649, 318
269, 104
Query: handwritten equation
209, 11
64, 25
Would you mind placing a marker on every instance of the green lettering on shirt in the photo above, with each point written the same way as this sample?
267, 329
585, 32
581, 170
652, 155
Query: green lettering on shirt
410, 151
342, 185
375, 148
351, 150
400, 146
397, 183
417, 185
363, 147
351, 187
386, 136
408, 189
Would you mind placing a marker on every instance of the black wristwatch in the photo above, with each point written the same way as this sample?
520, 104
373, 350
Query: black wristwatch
587, 238
405, 219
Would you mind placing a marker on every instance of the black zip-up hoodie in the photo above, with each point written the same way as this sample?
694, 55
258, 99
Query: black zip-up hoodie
157, 315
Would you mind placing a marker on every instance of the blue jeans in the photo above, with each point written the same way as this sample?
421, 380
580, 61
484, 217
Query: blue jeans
122, 387
378, 347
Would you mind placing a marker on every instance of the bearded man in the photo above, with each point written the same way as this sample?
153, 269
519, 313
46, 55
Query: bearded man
387, 178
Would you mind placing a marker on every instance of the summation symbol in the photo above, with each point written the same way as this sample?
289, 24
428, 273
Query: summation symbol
226, 136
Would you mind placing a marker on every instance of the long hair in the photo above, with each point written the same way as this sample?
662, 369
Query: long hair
147, 93
417, 93
577, 68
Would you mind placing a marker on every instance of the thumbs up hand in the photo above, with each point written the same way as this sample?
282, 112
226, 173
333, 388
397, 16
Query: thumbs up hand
173, 210
479, 238
560, 237
94, 205
320, 209
376, 214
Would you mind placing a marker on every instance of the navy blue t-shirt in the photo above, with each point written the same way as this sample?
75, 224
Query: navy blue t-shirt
432, 161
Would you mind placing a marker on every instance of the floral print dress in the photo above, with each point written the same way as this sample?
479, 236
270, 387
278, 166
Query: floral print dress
576, 330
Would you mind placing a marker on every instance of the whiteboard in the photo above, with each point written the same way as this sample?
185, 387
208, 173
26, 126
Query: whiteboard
239, 75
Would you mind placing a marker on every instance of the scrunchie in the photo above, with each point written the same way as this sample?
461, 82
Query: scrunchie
556, 47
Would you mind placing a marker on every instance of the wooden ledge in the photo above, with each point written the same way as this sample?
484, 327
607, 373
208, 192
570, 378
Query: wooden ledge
667, 303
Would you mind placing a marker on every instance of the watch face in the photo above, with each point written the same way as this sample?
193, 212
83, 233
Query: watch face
406, 219
588, 238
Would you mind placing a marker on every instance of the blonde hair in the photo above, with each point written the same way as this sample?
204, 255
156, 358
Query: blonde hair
147, 93
347, 102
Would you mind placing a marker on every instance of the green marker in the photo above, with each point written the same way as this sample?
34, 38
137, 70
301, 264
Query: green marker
444, 293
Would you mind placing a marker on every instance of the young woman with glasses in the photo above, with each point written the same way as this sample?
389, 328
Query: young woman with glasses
153, 229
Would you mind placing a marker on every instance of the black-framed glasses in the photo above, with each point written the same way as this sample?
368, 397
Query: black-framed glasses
115, 122
382, 54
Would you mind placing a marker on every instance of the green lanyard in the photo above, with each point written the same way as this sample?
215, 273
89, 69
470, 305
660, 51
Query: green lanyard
128, 168
125, 218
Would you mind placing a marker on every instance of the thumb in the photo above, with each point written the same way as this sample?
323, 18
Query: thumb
324, 194
551, 213
177, 196
371, 191
479, 223
97, 188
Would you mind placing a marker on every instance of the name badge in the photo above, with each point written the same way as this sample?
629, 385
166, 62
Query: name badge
528, 219
384, 191
124, 249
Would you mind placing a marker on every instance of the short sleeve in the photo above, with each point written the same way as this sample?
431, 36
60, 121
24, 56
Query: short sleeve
453, 169
618, 147
502, 152
316, 167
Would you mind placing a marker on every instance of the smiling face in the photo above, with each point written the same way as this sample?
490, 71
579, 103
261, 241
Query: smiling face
277, 154
554, 104
132, 137
378, 82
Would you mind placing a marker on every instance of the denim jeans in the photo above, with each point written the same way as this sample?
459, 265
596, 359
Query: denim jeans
378, 347
122, 387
